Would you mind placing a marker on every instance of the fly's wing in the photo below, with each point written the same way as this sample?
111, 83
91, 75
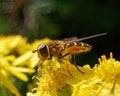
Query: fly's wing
70, 39
58, 43
89, 37
53, 44
56, 47
67, 40
74, 39
61, 43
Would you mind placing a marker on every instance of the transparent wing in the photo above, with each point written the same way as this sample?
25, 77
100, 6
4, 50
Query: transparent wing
70, 39
59, 43
84, 38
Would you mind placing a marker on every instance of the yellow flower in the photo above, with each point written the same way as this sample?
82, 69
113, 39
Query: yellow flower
63, 79
108, 72
52, 81
16, 59
58, 78
7, 69
105, 80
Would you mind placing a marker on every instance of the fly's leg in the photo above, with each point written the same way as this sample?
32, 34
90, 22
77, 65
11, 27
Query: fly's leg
62, 56
76, 65
50, 57
68, 70
40, 63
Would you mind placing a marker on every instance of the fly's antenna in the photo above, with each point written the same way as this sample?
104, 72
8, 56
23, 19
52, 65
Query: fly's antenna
34, 51
89, 37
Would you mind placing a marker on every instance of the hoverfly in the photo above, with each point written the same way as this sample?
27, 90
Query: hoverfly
62, 48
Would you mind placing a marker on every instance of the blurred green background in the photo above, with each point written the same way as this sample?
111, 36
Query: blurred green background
58, 19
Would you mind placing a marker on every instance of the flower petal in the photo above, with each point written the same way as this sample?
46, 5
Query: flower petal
9, 85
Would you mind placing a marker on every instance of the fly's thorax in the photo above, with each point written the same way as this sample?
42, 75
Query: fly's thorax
76, 47
56, 50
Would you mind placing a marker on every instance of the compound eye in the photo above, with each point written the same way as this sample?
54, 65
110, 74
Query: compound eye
43, 52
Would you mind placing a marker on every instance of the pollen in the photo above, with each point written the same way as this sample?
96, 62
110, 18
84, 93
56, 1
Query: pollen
108, 68
52, 82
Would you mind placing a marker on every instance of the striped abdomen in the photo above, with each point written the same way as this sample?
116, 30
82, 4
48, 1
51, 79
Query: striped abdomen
76, 47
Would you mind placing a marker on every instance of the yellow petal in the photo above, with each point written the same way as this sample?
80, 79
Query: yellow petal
17, 71
23, 58
15, 40
30, 94
21, 76
9, 85
34, 61
22, 69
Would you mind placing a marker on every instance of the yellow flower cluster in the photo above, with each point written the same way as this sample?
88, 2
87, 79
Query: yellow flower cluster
101, 80
16, 59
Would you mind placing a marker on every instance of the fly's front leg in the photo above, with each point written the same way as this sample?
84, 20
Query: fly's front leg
62, 56
50, 57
